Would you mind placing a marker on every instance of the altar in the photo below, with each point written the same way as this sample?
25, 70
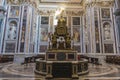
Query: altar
61, 59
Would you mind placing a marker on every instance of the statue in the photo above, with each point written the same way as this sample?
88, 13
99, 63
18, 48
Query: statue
61, 38
68, 42
54, 41
61, 43
76, 35
107, 32
12, 31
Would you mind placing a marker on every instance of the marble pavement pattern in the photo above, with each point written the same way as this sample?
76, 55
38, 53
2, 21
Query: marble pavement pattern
12, 71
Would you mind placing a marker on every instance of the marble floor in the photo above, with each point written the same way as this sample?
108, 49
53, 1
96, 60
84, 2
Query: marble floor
12, 71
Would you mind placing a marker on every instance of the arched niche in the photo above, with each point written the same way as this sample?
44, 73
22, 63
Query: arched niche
12, 30
107, 31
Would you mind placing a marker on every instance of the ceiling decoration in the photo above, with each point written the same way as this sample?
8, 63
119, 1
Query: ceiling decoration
61, 1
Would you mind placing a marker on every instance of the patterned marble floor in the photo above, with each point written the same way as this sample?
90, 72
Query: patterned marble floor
12, 71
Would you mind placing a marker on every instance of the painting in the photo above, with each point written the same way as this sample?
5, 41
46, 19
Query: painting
76, 35
44, 34
76, 21
45, 20
105, 13
14, 11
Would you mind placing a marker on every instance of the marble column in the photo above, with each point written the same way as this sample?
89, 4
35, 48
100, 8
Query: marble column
117, 19
2, 23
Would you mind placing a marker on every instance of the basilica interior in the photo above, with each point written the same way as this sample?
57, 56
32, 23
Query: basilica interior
59, 39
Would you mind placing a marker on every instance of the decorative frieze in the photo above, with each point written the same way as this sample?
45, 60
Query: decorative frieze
66, 12
18, 2
106, 3
103, 3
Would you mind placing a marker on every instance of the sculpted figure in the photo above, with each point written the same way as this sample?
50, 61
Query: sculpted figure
68, 42
54, 41
12, 32
107, 32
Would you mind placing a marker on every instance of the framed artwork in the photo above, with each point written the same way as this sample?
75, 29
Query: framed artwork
105, 12
44, 20
76, 35
44, 34
14, 11
76, 20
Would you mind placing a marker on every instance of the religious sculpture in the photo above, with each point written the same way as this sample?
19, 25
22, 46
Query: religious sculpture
107, 32
23, 34
54, 41
12, 31
61, 38
76, 35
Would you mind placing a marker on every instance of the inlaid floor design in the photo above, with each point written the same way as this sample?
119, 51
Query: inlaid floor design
12, 71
